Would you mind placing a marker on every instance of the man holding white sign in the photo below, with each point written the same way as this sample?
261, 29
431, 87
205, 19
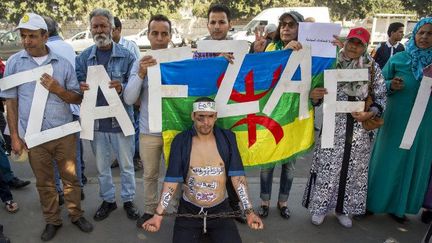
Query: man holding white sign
151, 144
108, 134
63, 90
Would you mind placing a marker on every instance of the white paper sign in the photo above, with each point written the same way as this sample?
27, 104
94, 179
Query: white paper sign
97, 77
24, 77
286, 85
155, 88
417, 112
33, 135
319, 36
331, 106
239, 49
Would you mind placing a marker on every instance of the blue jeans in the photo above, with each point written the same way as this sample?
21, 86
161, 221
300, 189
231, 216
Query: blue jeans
5, 167
103, 145
5, 193
286, 179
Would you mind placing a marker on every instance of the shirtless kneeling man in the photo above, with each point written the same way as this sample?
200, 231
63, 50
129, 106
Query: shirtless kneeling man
202, 158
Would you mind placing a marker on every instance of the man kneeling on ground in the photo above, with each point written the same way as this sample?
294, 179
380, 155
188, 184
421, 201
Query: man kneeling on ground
202, 158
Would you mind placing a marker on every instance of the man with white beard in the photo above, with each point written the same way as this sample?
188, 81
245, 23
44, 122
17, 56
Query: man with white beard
108, 135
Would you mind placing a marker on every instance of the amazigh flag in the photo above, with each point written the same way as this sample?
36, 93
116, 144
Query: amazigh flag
262, 140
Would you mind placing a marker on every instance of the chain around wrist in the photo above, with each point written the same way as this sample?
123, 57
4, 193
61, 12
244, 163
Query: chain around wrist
248, 211
158, 214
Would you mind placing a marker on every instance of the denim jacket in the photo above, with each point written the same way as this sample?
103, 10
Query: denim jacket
119, 67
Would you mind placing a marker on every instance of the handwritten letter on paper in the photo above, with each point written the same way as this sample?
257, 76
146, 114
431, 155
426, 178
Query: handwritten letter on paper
319, 36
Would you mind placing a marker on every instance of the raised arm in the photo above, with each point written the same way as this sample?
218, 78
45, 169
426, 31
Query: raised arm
168, 191
241, 187
136, 79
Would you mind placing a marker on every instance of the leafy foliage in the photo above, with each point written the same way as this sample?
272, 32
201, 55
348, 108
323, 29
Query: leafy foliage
63, 10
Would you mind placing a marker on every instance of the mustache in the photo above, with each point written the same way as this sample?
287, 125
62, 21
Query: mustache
102, 39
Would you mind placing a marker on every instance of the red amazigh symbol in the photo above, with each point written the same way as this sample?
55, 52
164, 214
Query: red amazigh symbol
252, 120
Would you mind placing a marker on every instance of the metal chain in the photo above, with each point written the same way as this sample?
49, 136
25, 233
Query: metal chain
233, 214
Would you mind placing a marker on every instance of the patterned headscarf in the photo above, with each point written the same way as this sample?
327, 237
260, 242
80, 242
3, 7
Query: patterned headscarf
420, 57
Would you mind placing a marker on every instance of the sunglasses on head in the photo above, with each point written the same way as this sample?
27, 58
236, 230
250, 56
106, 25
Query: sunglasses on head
289, 24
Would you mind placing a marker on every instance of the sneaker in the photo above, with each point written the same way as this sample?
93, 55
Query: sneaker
344, 220
142, 219
104, 210
131, 211
318, 219
17, 183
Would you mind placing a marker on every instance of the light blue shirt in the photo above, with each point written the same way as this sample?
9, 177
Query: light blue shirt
64, 49
131, 46
138, 88
57, 112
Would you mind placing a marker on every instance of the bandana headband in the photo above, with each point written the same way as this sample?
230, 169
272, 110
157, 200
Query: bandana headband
204, 106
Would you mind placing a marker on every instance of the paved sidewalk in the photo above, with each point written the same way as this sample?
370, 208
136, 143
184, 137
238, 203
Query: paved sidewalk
27, 224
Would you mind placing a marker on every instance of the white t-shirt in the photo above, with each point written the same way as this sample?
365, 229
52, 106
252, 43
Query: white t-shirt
40, 60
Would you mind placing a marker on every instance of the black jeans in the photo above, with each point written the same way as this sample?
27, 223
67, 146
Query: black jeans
190, 230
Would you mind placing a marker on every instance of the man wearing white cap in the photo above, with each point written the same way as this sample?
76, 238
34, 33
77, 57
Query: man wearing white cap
64, 90
202, 159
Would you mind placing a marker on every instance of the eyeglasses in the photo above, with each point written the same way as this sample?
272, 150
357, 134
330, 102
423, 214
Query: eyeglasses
289, 24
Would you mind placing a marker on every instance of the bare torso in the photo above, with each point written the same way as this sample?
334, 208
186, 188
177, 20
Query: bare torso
205, 183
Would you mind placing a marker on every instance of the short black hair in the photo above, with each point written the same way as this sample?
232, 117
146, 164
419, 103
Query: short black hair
117, 23
52, 26
204, 99
159, 17
393, 27
218, 8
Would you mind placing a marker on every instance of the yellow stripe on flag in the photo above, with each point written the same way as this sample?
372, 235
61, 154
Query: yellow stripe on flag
298, 138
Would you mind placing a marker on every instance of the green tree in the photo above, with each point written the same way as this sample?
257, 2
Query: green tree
422, 7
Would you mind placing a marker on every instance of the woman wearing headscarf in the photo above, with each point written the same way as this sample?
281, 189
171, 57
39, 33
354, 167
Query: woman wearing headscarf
398, 178
339, 175
285, 38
